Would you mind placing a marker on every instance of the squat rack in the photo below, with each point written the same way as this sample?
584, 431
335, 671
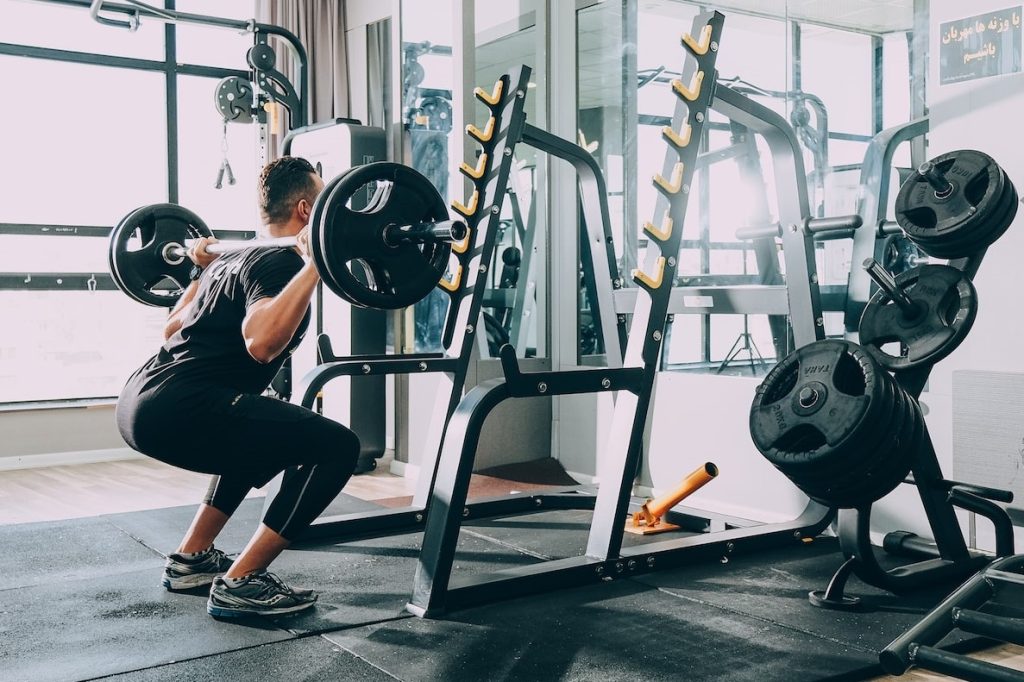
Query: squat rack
605, 558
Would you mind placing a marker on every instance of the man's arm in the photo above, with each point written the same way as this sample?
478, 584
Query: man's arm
197, 253
271, 322
177, 316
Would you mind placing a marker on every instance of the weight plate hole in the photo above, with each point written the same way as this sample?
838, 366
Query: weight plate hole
848, 376
801, 438
890, 346
922, 217
976, 188
778, 390
949, 307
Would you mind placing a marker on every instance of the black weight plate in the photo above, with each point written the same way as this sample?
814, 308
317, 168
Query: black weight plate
843, 468
987, 232
903, 454
949, 305
816, 404
883, 466
954, 225
353, 258
315, 216
143, 272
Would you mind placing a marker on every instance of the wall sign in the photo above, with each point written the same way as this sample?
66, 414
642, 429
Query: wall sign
980, 46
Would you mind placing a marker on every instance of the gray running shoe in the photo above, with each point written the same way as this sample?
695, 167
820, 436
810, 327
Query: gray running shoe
182, 573
261, 594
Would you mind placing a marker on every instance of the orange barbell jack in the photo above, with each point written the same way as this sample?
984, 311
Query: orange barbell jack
649, 519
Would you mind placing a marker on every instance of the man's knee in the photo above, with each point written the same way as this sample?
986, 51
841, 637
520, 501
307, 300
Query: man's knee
338, 445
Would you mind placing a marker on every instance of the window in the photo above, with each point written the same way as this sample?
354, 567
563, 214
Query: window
39, 24
95, 143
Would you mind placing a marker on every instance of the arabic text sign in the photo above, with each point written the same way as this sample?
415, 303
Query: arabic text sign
980, 46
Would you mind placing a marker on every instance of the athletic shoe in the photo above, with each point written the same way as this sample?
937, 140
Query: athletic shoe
186, 572
258, 594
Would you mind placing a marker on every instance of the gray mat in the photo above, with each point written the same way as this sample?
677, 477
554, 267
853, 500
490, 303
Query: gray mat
617, 631
162, 529
371, 580
312, 659
774, 585
87, 628
35, 553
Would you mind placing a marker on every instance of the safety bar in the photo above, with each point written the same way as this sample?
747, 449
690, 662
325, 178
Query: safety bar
834, 227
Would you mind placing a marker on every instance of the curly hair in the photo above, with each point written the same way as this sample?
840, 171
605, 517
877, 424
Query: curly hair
283, 182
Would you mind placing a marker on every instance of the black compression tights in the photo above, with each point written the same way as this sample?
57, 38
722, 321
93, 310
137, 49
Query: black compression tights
249, 439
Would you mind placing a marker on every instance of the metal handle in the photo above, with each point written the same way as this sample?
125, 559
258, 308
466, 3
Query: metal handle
888, 227
835, 227
94, 11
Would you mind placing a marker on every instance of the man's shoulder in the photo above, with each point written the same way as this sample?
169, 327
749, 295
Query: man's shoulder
282, 255
258, 262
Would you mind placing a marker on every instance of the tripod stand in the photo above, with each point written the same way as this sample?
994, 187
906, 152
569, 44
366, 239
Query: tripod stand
744, 343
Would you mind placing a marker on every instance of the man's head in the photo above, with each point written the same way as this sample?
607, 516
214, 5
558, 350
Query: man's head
287, 189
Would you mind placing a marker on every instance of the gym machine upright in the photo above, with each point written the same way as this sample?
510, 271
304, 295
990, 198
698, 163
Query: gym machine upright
704, 537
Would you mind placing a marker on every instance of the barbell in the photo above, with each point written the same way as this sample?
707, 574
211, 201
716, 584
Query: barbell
393, 235
380, 237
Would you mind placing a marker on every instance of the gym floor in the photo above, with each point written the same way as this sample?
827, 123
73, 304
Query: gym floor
83, 601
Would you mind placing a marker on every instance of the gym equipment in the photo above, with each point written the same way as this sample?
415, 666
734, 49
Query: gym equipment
836, 424
709, 535
398, 247
1000, 584
847, 433
872, 434
272, 85
956, 204
233, 98
392, 254
649, 521
928, 311
149, 275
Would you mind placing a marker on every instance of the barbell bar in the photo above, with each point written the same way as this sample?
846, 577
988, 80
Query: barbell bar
392, 235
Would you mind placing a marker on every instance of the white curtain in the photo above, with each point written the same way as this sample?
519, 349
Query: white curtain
320, 26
